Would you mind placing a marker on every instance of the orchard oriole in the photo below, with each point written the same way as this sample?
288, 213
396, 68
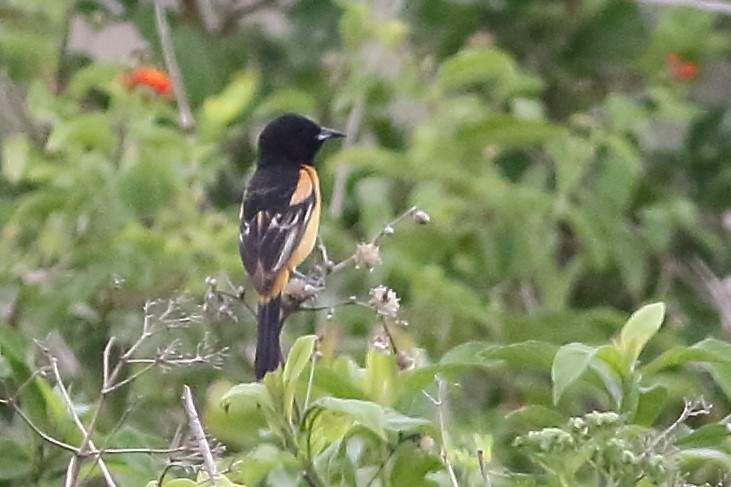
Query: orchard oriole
280, 217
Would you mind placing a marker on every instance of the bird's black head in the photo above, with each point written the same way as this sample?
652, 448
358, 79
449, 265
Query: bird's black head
292, 139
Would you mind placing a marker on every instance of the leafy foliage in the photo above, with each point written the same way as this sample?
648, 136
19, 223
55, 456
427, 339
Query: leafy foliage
572, 158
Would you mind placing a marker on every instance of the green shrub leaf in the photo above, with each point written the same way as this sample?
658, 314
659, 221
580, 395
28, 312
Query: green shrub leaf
366, 413
641, 326
570, 363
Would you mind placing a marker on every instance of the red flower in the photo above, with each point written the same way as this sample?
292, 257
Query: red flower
153, 78
680, 69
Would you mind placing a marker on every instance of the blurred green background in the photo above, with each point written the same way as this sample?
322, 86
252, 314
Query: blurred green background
574, 157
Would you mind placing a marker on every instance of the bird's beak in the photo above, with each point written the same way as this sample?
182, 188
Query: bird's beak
326, 133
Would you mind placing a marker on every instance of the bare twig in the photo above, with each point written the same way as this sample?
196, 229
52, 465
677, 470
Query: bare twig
705, 5
171, 64
440, 403
194, 422
63, 45
692, 408
387, 229
110, 382
310, 380
87, 445
483, 467
44, 436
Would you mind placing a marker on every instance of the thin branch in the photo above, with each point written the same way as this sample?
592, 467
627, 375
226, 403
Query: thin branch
148, 451
63, 45
705, 5
379, 471
128, 380
44, 436
483, 467
310, 380
87, 444
388, 228
171, 64
194, 422
440, 404
692, 408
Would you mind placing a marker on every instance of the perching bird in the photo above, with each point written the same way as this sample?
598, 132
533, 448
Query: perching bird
280, 217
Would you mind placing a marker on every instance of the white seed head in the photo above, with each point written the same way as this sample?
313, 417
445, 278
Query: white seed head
421, 217
385, 301
367, 254
299, 291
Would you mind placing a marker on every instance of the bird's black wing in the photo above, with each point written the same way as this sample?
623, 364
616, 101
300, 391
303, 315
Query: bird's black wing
274, 219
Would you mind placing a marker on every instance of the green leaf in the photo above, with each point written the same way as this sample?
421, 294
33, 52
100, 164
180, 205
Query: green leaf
299, 357
531, 353
571, 156
246, 396
641, 326
506, 131
5, 369
337, 383
706, 455
15, 462
651, 403
721, 373
366, 413
381, 372
16, 149
396, 421
221, 480
147, 186
174, 483
615, 33
335, 463
222, 109
707, 436
286, 100
605, 368
570, 362
709, 350
535, 416
237, 424
470, 66
411, 466
470, 353
91, 130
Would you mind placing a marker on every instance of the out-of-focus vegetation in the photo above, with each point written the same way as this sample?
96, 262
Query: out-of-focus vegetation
574, 158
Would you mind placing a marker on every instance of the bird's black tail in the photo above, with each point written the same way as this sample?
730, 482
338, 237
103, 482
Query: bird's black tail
269, 325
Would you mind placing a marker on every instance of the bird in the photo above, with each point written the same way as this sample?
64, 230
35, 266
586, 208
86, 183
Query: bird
279, 221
